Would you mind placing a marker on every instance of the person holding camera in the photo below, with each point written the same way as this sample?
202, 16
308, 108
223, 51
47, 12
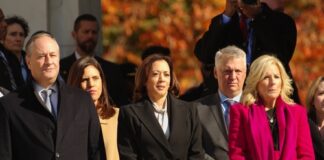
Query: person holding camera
255, 28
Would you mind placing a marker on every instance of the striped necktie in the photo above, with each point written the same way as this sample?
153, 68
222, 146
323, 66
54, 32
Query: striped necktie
46, 93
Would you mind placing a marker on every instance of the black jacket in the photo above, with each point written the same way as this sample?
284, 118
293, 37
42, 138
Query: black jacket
274, 32
29, 132
140, 135
11, 62
318, 143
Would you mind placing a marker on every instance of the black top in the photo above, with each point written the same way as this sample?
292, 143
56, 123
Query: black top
317, 139
272, 118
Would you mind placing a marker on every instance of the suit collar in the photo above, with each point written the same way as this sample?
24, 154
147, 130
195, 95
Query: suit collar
32, 103
32, 98
176, 120
66, 114
144, 111
216, 109
220, 118
77, 55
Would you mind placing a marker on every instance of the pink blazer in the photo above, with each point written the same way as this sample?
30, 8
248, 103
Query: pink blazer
250, 136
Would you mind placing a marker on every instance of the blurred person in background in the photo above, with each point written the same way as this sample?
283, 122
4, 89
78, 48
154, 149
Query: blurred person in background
255, 28
155, 49
87, 74
315, 106
7, 79
85, 33
267, 124
14, 39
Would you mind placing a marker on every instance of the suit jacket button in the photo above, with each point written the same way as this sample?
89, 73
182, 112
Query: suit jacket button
57, 155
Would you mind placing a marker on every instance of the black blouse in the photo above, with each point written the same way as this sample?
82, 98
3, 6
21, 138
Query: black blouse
272, 119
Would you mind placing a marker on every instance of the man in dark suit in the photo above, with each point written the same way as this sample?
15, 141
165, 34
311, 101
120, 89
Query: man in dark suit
254, 27
47, 119
85, 34
213, 110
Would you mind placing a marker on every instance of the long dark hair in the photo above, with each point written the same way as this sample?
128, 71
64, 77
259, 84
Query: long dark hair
143, 72
105, 105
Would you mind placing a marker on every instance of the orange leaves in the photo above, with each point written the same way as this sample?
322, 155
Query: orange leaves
307, 63
130, 26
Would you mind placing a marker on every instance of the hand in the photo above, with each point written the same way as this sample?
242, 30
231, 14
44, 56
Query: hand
230, 8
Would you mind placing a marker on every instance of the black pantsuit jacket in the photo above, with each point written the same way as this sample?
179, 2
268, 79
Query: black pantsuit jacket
114, 79
214, 130
318, 142
28, 131
140, 135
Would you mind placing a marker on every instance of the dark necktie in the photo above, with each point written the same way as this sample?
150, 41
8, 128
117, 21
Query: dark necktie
229, 103
243, 27
46, 93
247, 34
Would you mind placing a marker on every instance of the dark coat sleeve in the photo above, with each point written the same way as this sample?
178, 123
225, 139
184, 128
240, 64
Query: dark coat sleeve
289, 38
5, 137
126, 138
317, 142
96, 145
196, 150
218, 36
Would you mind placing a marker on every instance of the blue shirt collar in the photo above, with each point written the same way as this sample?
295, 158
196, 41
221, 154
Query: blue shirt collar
224, 98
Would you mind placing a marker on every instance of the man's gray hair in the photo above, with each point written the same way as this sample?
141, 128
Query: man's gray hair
35, 36
231, 51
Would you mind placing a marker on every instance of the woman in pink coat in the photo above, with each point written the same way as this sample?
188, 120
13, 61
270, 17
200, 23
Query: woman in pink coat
267, 124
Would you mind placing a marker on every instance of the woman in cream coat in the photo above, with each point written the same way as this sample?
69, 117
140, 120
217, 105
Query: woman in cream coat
87, 74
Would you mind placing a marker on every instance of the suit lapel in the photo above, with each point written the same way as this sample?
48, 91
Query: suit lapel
35, 104
32, 103
216, 109
66, 114
146, 114
177, 120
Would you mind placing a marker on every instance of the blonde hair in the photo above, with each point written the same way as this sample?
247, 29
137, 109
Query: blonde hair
257, 73
311, 92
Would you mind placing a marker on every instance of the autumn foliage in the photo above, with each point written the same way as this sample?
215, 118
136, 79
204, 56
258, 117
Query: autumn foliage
130, 26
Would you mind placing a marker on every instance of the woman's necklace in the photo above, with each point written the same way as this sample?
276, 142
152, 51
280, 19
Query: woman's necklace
271, 115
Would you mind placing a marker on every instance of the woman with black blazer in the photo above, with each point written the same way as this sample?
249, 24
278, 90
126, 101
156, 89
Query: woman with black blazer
158, 125
315, 106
